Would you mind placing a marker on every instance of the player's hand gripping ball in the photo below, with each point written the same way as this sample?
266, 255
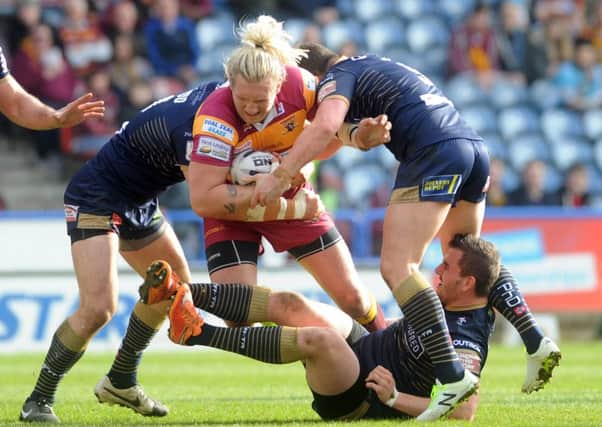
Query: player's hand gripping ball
248, 164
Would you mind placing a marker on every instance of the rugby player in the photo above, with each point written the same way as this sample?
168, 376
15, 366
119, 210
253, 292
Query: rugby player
443, 164
264, 108
111, 207
26, 110
384, 374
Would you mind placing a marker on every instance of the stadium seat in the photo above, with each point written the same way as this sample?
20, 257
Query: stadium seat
414, 9
598, 154
213, 31
211, 61
558, 123
514, 121
455, 11
434, 62
296, 28
525, 148
566, 152
360, 181
496, 146
554, 178
592, 123
383, 33
369, 10
337, 33
511, 179
480, 117
426, 32
544, 94
464, 90
505, 93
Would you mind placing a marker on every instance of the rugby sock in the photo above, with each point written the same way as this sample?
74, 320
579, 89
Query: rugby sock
65, 350
422, 308
143, 325
234, 302
507, 298
374, 320
357, 331
271, 344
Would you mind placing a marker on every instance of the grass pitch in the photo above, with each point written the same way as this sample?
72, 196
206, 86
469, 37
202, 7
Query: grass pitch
218, 389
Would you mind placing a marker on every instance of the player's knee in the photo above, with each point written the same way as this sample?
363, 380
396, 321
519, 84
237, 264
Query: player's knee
354, 303
289, 302
317, 341
394, 272
98, 315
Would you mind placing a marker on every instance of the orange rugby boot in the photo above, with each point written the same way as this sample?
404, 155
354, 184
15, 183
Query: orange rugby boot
185, 320
160, 284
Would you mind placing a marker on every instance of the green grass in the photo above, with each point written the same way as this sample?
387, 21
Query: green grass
216, 388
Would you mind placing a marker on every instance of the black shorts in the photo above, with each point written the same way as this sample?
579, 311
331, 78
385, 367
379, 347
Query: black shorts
448, 171
93, 207
236, 252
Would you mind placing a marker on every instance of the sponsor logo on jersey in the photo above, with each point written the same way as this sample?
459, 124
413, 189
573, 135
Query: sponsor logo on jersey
466, 344
279, 109
519, 310
71, 213
214, 148
327, 89
461, 320
218, 129
440, 185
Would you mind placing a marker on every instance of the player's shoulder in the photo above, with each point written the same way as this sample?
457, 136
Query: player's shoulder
219, 103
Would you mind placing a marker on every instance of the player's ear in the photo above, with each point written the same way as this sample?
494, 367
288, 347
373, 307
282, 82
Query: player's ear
470, 283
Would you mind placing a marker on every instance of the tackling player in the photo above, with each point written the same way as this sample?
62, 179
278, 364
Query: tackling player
28, 111
384, 374
443, 164
265, 107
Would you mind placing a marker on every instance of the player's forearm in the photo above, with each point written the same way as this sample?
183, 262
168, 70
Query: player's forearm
225, 201
310, 144
26, 110
410, 404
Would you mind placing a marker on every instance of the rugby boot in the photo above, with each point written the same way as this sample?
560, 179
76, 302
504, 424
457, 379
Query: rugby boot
132, 397
185, 320
446, 397
38, 411
160, 283
540, 365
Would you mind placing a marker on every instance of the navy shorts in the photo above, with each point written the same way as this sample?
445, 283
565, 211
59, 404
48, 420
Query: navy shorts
93, 206
447, 171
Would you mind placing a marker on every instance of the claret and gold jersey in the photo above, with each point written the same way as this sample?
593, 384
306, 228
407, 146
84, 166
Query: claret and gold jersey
219, 133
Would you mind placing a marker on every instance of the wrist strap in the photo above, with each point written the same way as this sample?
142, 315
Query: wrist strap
391, 402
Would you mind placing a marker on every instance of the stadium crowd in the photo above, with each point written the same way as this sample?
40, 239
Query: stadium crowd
526, 74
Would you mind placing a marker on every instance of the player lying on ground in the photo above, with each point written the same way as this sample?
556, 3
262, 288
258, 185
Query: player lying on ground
351, 374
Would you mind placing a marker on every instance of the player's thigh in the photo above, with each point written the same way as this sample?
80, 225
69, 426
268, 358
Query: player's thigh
161, 244
233, 261
332, 367
95, 261
407, 231
335, 272
464, 218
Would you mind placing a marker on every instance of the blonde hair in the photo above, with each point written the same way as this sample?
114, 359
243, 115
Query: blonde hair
265, 50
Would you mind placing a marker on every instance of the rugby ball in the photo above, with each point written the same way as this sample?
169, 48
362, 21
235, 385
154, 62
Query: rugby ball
247, 164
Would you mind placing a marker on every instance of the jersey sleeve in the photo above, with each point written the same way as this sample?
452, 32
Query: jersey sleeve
337, 83
214, 134
310, 83
3, 65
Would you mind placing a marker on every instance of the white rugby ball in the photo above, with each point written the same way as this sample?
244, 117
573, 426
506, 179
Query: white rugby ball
247, 164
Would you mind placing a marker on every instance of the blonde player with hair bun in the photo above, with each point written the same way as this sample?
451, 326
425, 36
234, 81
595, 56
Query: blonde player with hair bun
264, 107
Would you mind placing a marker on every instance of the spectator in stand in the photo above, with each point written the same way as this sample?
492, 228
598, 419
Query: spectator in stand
581, 80
171, 42
139, 95
196, 9
473, 46
87, 48
575, 191
28, 15
94, 133
122, 19
531, 192
496, 195
549, 44
40, 67
512, 39
127, 68
593, 31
